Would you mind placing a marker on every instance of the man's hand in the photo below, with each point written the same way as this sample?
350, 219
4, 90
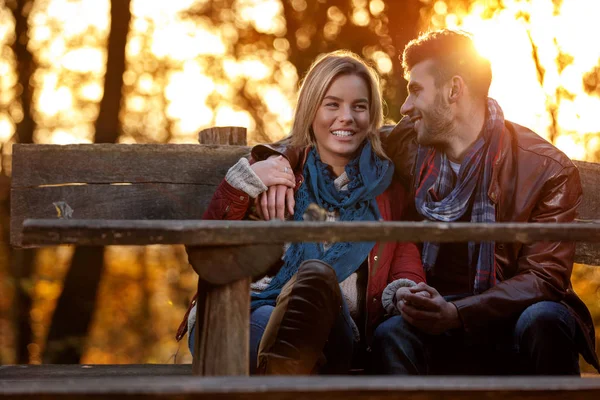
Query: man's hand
424, 308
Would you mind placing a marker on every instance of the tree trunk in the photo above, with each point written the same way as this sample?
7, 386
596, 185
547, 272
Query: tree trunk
77, 302
107, 124
404, 23
22, 261
75, 307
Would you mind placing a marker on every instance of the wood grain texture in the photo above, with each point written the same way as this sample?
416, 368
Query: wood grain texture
225, 335
40, 164
309, 388
225, 233
220, 265
589, 209
223, 312
57, 371
223, 135
228, 233
146, 201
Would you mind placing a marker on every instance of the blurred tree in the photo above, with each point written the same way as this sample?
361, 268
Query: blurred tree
377, 30
77, 302
22, 261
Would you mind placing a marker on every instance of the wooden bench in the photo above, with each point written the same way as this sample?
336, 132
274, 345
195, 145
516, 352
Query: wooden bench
107, 194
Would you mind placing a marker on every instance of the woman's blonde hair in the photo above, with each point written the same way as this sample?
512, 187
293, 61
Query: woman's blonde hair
315, 84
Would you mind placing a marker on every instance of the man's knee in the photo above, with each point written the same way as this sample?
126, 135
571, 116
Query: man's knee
543, 317
391, 331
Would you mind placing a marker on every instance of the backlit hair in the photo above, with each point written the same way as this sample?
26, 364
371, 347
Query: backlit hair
453, 52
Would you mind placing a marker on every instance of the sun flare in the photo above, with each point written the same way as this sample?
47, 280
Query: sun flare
539, 55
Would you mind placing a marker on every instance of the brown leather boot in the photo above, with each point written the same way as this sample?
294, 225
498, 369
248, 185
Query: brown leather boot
306, 310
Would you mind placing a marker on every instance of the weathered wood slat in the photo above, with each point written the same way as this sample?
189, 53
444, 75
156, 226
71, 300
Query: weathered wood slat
223, 233
590, 182
587, 253
220, 265
55, 371
222, 312
139, 201
309, 388
227, 233
224, 339
229, 135
37, 164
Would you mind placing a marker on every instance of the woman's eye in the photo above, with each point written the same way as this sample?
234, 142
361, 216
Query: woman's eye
331, 104
361, 107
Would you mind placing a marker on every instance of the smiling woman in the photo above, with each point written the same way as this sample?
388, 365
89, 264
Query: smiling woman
310, 315
342, 121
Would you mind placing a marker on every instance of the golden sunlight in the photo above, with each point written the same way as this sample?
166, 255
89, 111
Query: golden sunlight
265, 16
186, 95
524, 38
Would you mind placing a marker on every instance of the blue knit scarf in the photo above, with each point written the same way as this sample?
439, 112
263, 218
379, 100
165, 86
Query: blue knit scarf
439, 196
369, 176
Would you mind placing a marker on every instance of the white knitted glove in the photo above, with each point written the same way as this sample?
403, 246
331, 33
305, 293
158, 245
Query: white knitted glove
388, 297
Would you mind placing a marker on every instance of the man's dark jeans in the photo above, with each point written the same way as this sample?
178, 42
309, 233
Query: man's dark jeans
542, 341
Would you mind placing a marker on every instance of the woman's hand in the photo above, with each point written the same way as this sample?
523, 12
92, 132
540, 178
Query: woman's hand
271, 204
274, 171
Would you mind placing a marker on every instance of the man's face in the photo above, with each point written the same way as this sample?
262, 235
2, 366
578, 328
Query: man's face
427, 107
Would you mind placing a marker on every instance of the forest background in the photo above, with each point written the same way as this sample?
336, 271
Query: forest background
152, 71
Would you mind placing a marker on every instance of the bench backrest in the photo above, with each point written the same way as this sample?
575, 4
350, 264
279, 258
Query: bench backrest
116, 181
158, 181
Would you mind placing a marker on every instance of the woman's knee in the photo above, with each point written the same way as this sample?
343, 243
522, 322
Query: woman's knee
317, 269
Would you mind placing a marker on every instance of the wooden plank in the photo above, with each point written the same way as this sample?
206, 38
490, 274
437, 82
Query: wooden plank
139, 201
55, 371
223, 135
220, 265
590, 182
37, 164
227, 233
222, 346
587, 253
307, 388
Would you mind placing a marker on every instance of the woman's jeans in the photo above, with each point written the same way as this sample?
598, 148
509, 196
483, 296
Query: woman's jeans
338, 350
541, 341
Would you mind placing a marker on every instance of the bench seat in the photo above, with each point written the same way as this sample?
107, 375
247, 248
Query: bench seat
169, 381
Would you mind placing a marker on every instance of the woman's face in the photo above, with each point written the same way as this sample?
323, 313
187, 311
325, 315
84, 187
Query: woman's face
342, 120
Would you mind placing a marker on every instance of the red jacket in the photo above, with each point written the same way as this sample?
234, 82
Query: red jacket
387, 262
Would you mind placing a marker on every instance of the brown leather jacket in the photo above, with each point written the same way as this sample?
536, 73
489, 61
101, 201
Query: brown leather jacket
532, 182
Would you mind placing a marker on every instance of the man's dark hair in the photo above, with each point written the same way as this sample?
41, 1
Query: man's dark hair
453, 53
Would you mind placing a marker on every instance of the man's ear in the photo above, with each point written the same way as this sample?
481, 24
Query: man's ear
457, 87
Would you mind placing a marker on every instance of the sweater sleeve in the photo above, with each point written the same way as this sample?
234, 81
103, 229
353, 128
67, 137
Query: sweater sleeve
243, 178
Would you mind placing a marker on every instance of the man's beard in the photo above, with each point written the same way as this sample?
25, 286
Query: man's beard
437, 124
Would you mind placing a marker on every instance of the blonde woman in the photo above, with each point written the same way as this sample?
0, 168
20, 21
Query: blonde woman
327, 298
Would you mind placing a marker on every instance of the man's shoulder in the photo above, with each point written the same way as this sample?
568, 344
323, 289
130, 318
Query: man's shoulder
404, 128
534, 146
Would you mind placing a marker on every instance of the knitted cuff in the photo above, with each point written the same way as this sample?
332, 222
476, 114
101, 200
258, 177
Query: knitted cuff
388, 297
191, 319
243, 178
261, 284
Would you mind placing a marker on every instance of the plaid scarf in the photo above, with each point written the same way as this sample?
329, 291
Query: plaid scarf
440, 196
